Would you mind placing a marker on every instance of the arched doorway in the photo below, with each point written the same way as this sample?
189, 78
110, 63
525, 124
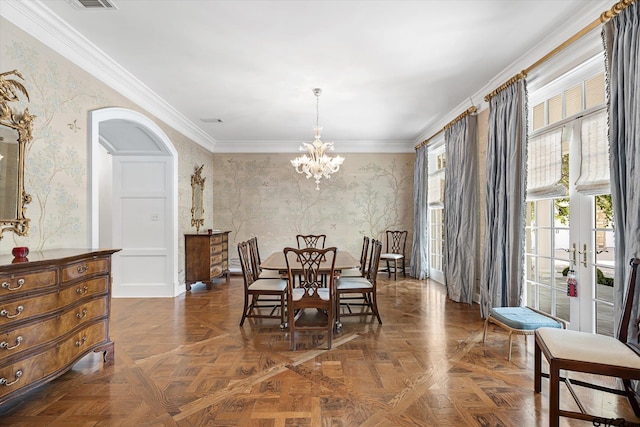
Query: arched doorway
133, 201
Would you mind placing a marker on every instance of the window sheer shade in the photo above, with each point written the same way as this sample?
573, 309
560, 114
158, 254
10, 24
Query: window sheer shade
544, 166
594, 170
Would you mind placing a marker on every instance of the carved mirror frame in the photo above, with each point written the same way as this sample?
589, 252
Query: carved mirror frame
10, 89
197, 198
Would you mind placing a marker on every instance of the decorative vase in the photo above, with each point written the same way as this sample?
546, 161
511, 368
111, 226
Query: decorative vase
20, 251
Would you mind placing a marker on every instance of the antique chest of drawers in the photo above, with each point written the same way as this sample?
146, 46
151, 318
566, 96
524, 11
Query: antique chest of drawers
54, 309
206, 257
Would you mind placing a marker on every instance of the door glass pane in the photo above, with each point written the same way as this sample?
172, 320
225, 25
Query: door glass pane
604, 319
531, 268
544, 298
604, 284
545, 271
562, 305
544, 242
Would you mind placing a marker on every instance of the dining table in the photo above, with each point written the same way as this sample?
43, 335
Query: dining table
344, 261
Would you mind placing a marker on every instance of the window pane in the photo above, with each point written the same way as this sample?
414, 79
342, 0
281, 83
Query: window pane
555, 109
538, 116
594, 91
573, 100
531, 294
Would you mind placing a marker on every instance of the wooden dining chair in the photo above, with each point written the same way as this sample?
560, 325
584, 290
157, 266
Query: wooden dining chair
574, 351
311, 265
272, 291
363, 287
311, 240
362, 270
396, 243
258, 272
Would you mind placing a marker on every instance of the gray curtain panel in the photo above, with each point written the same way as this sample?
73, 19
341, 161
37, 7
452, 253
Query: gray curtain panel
419, 252
461, 209
622, 45
503, 247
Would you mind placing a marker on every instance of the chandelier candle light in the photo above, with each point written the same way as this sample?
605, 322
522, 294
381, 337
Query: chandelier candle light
315, 162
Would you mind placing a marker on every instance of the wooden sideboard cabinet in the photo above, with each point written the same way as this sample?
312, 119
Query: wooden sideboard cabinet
54, 309
206, 257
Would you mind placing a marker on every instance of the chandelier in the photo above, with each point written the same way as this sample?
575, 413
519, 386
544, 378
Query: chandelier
315, 162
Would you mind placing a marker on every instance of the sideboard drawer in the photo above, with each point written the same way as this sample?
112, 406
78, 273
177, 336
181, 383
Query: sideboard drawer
11, 284
85, 268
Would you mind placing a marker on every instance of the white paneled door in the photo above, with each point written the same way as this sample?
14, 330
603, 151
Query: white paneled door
141, 211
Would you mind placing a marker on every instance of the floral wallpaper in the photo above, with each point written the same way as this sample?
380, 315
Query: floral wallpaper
262, 195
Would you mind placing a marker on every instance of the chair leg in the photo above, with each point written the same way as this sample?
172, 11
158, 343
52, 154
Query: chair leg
395, 269
389, 269
404, 270
537, 368
554, 396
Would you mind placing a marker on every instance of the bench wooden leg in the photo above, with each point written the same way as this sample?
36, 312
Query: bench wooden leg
510, 340
486, 326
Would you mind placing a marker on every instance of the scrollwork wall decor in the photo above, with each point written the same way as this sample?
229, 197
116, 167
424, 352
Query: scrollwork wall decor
197, 199
13, 197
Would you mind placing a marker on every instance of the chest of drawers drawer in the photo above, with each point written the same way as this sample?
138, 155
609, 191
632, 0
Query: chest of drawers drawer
15, 283
51, 362
22, 309
20, 339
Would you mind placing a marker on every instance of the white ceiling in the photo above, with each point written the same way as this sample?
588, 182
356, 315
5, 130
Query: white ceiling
391, 71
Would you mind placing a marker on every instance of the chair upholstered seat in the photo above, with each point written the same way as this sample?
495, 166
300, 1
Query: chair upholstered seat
586, 347
391, 256
269, 274
352, 272
268, 285
298, 293
352, 283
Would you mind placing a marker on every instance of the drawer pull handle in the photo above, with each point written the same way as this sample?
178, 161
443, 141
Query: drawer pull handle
83, 290
7, 285
5, 313
83, 314
5, 344
79, 343
83, 269
5, 382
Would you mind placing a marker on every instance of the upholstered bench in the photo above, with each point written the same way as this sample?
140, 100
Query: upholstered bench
520, 321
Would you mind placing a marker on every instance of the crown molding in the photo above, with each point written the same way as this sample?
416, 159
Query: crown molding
342, 147
40, 22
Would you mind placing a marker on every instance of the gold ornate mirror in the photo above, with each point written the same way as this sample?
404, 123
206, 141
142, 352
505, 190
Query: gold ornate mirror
15, 134
197, 198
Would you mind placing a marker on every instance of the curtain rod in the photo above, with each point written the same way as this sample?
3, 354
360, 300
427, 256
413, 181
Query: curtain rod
603, 18
469, 110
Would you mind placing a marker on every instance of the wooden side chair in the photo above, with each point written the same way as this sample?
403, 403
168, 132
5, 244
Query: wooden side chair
275, 291
311, 240
568, 351
396, 243
362, 270
311, 265
365, 286
259, 273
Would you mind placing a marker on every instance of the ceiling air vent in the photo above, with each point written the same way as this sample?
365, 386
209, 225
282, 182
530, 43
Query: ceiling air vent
92, 4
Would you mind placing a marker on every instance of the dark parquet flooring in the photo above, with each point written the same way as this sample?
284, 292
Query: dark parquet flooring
185, 362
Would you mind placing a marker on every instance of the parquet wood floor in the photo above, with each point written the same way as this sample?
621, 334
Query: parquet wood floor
186, 362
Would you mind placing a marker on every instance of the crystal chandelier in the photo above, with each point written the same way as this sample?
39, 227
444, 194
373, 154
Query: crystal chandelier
315, 162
